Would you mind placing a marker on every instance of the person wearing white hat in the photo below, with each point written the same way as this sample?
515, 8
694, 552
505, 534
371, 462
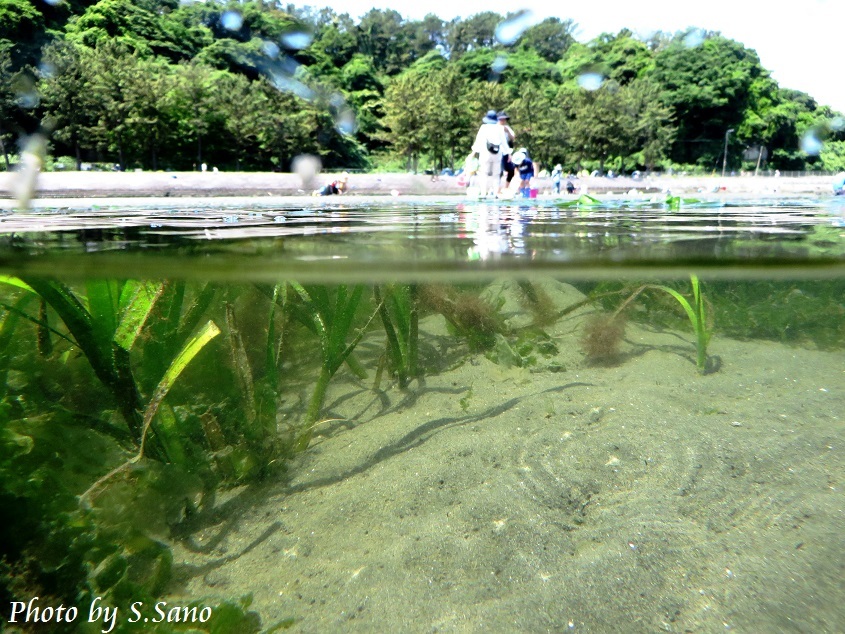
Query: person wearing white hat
488, 145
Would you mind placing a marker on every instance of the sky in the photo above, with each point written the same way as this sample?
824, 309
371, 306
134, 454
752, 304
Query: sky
800, 42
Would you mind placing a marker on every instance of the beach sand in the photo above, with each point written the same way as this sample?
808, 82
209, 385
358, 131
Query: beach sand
636, 497
54, 188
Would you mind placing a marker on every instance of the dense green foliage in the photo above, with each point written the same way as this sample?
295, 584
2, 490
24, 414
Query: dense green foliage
161, 84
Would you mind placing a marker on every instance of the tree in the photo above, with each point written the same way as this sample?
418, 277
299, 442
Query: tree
405, 116
383, 37
242, 109
194, 100
550, 39
478, 31
151, 99
22, 31
7, 102
67, 95
708, 88
108, 67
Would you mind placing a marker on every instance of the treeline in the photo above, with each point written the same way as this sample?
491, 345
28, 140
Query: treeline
161, 84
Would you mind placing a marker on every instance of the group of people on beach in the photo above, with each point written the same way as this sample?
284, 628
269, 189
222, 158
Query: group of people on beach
492, 164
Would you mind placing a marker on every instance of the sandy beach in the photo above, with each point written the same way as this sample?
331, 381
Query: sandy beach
59, 186
635, 497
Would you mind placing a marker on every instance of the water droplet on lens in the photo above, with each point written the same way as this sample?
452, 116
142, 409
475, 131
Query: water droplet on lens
297, 40
499, 64
810, 144
232, 20
694, 38
590, 81
46, 70
306, 166
271, 49
510, 31
346, 123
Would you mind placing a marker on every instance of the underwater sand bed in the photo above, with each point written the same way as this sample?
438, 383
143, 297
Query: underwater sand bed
554, 496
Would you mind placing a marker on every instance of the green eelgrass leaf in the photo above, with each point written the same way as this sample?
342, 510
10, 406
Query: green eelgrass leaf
697, 318
241, 367
45, 344
202, 300
185, 356
17, 309
584, 200
135, 311
308, 314
80, 324
103, 299
17, 282
274, 347
7, 330
393, 346
343, 316
188, 352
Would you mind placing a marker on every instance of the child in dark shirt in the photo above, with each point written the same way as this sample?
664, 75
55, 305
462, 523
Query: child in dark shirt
526, 170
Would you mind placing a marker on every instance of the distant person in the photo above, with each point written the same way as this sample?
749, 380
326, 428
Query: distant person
839, 184
557, 175
525, 166
338, 186
508, 169
488, 145
570, 186
471, 170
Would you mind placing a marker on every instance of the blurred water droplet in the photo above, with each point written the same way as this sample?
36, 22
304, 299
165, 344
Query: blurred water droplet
53, 3
281, 73
27, 100
346, 123
296, 40
26, 95
46, 70
306, 166
232, 20
837, 124
33, 151
499, 64
810, 144
694, 38
271, 49
590, 81
509, 31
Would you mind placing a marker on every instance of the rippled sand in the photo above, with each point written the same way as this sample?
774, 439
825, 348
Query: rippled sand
639, 497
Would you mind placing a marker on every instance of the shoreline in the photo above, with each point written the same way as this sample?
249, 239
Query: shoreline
110, 185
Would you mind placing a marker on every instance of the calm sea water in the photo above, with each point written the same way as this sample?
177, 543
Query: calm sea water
424, 415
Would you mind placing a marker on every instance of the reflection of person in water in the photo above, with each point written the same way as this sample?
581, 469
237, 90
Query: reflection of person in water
338, 186
839, 184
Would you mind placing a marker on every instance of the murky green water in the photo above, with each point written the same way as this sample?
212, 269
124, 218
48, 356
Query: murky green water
424, 416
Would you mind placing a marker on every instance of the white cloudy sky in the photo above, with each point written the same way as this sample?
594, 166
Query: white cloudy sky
800, 42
